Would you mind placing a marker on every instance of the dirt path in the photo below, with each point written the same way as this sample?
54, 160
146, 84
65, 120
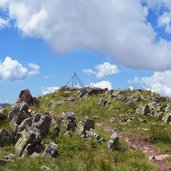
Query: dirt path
143, 144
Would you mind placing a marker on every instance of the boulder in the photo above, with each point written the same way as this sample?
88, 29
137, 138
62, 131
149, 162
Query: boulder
93, 135
25, 123
113, 142
68, 121
29, 136
145, 110
43, 124
5, 137
2, 114
51, 150
85, 125
167, 118
26, 96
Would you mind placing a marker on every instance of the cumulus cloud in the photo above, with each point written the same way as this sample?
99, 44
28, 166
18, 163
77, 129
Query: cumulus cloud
3, 23
102, 84
117, 28
103, 70
159, 82
48, 90
47, 77
165, 21
13, 70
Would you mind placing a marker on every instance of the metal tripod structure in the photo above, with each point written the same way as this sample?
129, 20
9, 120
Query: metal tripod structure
75, 81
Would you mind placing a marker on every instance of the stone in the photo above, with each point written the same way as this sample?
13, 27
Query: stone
22, 115
68, 121
5, 137
104, 103
45, 168
14, 111
93, 135
113, 142
43, 124
85, 125
51, 150
29, 136
2, 114
25, 96
24, 124
145, 110
167, 118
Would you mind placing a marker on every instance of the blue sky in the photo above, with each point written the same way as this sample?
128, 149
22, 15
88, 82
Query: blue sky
111, 44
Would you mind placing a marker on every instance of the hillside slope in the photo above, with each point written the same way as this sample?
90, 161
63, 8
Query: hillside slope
71, 130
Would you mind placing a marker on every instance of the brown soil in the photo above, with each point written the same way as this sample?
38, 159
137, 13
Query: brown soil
143, 144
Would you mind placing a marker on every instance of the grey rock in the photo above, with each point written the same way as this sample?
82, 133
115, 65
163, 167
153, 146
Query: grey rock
68, 121
24, 124
5, 137
113, 142
29, 136
51, 150
85, 125
93, 135
167, 118
43, 124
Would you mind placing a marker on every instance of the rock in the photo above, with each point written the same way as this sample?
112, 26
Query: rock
43, 125
5, 137
113, 142
85, 125
104, 103
2, 114
14, 111
29, 136
68, 120
32, 148
167, 118
24, 124
26, 96
51, 150
45, 168
145, 110
35, 101
18, 113
93, 135
22, 115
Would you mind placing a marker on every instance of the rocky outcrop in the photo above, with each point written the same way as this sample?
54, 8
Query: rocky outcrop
30, 136
26, 96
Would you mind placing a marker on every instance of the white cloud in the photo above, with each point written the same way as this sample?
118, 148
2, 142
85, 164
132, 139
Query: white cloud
102, 84
89, 71
117, 28
165, 21
50, 76
35, 69
106, 69
103, 70
159, 82
48, 90
3, 23
13, 70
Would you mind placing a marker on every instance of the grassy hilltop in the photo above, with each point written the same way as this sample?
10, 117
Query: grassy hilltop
140, 118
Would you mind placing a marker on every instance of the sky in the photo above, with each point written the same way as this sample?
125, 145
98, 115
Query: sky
114, 44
